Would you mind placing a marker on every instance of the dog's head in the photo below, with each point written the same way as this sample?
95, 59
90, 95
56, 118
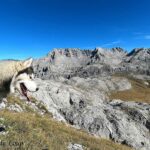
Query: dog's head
23, 82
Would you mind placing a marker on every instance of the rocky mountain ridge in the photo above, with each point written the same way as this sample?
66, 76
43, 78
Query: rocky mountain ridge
88, 63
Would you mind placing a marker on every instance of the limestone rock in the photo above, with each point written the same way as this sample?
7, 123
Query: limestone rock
75, 146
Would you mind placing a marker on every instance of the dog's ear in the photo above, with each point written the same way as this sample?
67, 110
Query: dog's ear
27, 63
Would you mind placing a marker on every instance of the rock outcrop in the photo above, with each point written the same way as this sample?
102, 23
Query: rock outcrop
84, 103
138, 61
75, 147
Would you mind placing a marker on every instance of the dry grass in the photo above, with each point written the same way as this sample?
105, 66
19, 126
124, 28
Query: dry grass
139, 92
34, 132
30, 131
12, 99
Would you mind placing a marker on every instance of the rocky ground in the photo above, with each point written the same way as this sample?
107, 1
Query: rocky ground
29, 125
85, 104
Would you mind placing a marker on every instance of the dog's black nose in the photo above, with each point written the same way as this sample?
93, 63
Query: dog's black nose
37, 89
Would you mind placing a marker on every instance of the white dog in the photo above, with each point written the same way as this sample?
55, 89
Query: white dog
17, 76
23, 81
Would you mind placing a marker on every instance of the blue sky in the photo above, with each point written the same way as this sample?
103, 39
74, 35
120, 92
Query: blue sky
34, 27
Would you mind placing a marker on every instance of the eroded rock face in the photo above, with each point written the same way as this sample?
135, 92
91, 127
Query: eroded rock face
75, 62
64, 93
138, 61
123, 122
61, 62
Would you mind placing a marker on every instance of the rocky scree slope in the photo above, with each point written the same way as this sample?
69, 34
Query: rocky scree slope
76, 85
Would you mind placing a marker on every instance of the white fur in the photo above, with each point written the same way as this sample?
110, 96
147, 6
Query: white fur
9, 71
9, 68
23, 78
28, 62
